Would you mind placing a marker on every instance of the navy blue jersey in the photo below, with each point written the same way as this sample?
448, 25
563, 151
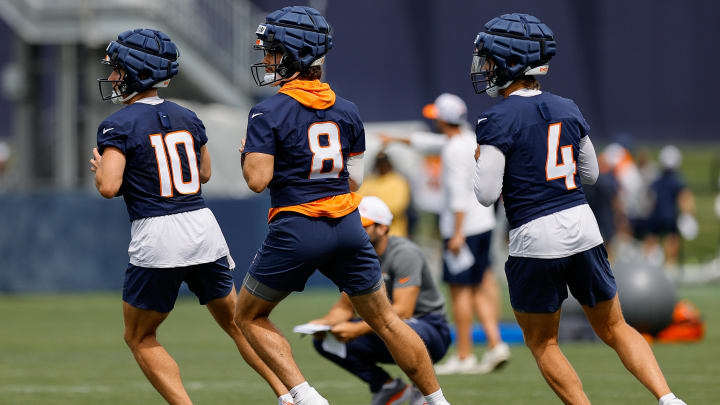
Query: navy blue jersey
310, 147
666, 189
540, 137
162, 145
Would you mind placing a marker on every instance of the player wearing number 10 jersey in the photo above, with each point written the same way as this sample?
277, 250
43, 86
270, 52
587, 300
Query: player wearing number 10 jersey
153, 153
305, 144
534, 146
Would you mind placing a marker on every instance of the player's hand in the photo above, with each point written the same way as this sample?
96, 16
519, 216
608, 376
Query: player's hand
95, 161
319, 321
346, 331
456, 243
242, 146
477, 153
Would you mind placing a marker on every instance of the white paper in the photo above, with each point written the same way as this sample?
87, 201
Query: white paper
463, 261
334, 346
310, 328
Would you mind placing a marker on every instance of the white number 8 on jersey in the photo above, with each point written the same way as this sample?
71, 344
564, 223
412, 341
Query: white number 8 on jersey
332, 151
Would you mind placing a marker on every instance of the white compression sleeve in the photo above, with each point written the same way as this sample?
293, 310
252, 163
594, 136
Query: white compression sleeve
489, 171
587, 162
356, 168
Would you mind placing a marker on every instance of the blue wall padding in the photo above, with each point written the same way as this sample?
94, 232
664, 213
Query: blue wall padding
509, 331
77, 242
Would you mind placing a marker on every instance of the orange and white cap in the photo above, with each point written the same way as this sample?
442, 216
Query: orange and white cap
374, 211
447, 107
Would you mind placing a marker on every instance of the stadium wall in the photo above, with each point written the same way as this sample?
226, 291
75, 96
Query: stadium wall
633, 67
71, 242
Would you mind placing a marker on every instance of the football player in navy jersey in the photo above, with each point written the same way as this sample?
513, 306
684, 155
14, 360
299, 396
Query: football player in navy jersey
306, 145
153, 153
534, 147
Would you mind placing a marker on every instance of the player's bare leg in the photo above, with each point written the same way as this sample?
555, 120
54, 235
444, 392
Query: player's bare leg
269, 343
223, 310
490, 287
607, 320
671, 248
404, 344
487, 314
540, 332
159, 368
462, 309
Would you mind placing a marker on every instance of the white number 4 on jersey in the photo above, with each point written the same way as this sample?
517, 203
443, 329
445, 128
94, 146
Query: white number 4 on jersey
568, 168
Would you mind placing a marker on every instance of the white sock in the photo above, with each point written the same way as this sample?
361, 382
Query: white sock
436, 398
300, 391
286, 399
666, 398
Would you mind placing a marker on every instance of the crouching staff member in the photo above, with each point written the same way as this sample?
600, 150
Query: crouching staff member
415, 298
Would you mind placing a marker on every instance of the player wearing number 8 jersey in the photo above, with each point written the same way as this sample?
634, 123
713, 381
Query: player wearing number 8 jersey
153, 153
305, 144
534, 147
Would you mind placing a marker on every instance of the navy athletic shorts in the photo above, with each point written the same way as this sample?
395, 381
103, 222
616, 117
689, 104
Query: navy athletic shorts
157, 289
296, 245
541, 285
479, 245
366, 351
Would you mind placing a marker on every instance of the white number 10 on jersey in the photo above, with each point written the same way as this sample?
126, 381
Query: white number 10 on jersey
568, 167
168, 177
332, 151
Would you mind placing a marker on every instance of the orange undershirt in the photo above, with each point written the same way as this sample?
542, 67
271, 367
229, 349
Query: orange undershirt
335, 206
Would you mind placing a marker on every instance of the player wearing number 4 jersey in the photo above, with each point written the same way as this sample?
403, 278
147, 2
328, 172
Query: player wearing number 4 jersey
153, 153
305, 144
534, 146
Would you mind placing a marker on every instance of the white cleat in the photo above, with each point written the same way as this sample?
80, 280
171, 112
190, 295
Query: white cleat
676, 401
492, 360
455, 365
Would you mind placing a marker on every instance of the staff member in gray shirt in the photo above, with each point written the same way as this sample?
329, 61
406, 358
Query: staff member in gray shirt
415, 298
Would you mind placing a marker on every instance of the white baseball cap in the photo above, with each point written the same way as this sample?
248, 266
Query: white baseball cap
374, 211
447, 107
670, 157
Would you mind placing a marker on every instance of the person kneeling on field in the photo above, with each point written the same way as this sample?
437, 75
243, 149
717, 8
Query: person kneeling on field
415, 298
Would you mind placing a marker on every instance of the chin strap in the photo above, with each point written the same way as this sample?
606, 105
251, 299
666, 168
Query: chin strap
121, 99
494, 90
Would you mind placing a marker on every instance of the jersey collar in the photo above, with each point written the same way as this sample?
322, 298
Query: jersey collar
154, 100
526, 92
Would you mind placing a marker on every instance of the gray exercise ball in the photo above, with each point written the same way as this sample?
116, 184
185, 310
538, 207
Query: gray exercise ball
646, 294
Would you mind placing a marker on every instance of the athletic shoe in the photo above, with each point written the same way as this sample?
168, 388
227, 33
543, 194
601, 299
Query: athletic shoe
312, 397
416, 397
676, 401
492, 360
393, 393
455, 365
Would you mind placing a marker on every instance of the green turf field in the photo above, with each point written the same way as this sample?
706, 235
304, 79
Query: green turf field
68, 349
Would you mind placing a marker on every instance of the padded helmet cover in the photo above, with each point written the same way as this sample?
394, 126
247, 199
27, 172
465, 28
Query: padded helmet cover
302, 32
520, 40
147, 56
